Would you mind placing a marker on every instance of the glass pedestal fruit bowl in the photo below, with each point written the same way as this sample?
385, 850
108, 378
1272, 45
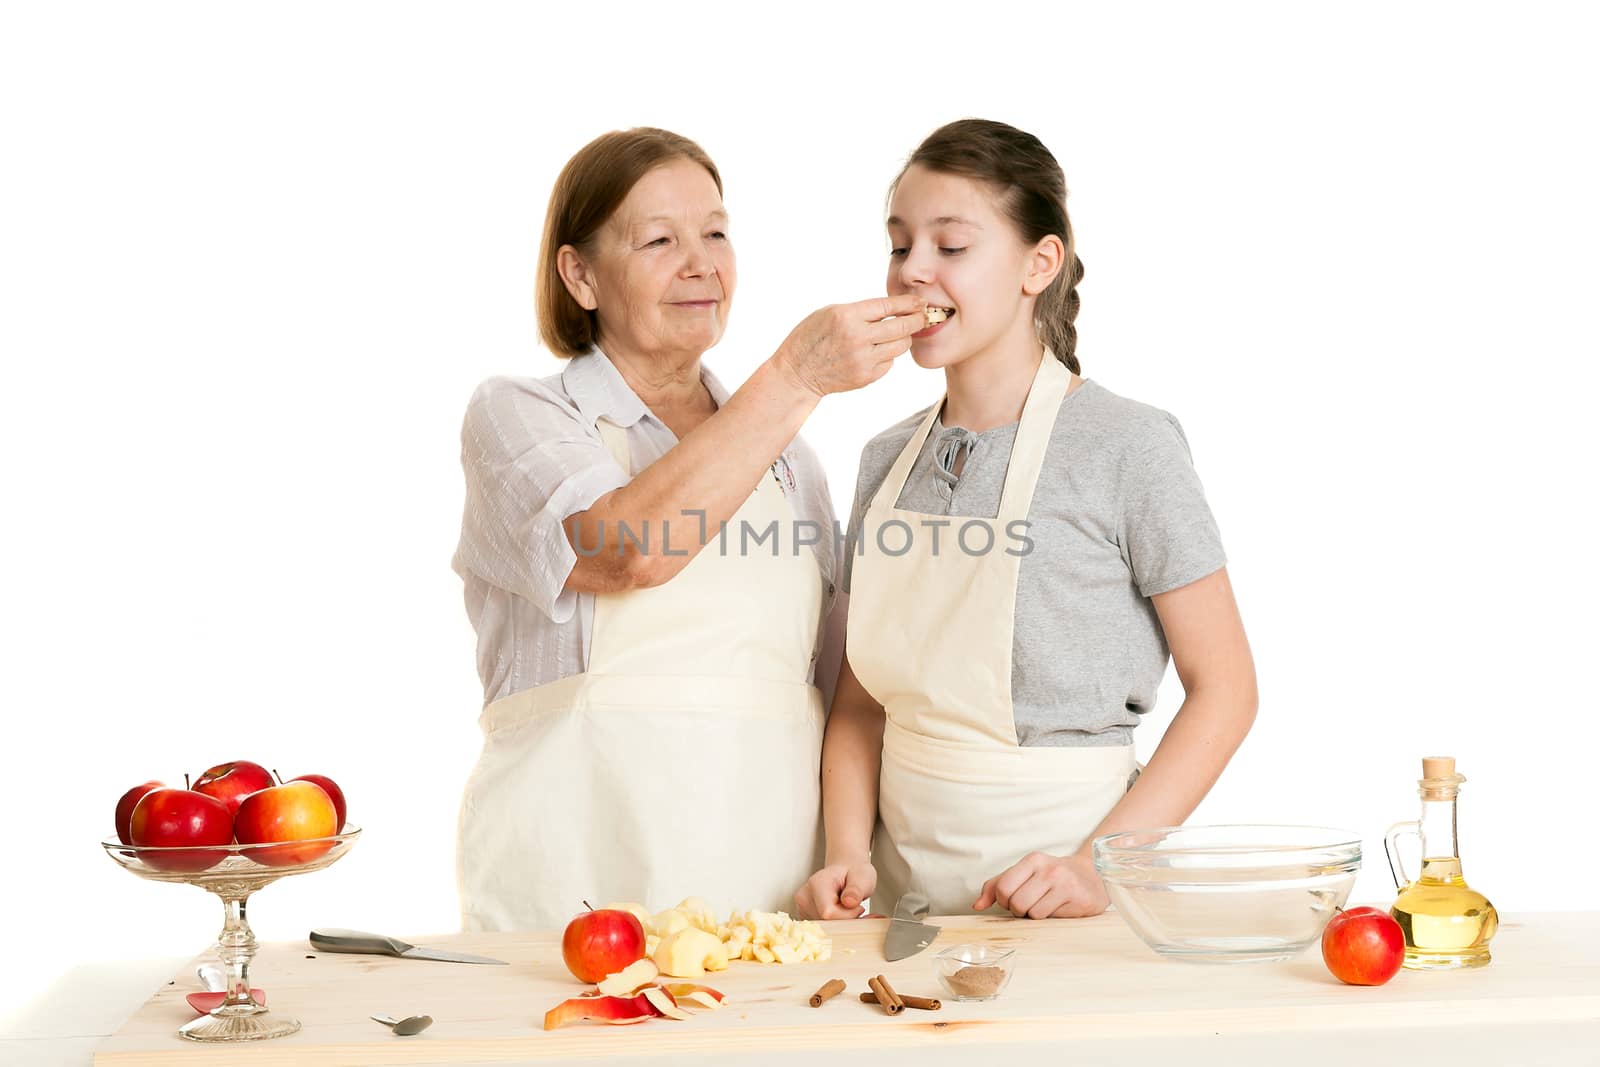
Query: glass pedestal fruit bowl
233, 872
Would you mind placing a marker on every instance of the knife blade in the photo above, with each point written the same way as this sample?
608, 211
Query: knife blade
379, 945
908, 934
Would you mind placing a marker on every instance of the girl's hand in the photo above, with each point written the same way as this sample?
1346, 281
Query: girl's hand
1040, 886
836, 891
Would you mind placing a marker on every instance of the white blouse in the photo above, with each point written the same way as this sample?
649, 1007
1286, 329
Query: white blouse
532, 459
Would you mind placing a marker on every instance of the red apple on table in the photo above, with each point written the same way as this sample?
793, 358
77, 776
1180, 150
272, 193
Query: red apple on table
294, 811
335, 794
1363, 946
598, 943
126, 805
175, 818
232, 782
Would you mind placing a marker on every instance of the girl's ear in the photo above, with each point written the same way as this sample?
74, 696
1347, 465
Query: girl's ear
1044, 263
577, 277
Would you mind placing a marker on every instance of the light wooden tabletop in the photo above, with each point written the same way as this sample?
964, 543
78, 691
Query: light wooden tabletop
1086, 987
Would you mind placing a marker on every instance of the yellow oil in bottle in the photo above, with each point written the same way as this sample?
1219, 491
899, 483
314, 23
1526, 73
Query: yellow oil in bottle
1447, 924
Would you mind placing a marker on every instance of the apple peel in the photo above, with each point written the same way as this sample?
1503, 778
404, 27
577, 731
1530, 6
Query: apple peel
618, 1011
703, 995
628, 981
663, 1002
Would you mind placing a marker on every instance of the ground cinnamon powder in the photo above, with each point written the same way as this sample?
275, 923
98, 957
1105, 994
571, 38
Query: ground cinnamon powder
977, 981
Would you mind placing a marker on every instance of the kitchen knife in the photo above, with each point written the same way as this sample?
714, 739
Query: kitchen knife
378, 945
908, 934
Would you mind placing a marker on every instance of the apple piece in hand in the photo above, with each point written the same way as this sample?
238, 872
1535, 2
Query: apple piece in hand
125, 807
294, 811
232, 782
614, 1010
335, 794
630, 979
177, 818
690, 953
600, 943
1363, 946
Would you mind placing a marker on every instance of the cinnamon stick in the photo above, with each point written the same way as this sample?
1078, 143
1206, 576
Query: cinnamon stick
921, 1003
828, 991
888, 999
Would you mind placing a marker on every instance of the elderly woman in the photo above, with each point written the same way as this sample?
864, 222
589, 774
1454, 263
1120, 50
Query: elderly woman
649, 564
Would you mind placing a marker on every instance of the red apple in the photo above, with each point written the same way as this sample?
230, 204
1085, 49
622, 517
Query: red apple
232, 782
174, 818
1363, 946
335, 794
294, 811
126, 804
598, 943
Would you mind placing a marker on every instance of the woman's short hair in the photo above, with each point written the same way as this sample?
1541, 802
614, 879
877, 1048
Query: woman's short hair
591, 187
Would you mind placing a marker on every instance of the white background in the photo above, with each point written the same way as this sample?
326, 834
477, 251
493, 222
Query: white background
253, 262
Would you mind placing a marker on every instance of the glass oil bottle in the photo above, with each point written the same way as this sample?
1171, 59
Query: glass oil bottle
1447, 924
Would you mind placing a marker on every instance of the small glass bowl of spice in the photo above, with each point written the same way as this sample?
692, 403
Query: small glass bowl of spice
974, 972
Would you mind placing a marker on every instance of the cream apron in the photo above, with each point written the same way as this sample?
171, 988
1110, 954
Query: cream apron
930, 638
683, 762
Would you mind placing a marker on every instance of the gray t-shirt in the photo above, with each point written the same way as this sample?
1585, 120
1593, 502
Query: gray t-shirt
1118, 516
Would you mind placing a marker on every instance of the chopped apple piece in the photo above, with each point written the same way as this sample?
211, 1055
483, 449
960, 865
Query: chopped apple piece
699, 914
650, 943
669, 922
689, 953
614, 1010
774, 937
629, 980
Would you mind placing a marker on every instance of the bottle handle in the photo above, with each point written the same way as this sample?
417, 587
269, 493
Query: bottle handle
1391, 847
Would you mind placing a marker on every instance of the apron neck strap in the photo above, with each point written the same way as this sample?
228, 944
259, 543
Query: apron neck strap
616, 442
900, 473
1033, 437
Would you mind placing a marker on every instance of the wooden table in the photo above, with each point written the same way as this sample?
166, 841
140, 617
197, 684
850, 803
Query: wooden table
1083, 987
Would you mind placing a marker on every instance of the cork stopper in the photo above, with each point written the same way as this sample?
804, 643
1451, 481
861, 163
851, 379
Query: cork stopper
1439, 778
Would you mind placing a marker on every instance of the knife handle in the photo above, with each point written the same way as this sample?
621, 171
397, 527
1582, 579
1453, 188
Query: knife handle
356, 941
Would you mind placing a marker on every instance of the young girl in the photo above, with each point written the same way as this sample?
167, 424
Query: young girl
1024, 554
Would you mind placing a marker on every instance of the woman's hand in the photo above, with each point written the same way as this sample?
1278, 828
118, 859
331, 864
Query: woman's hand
847, 346
1041, 886
836, 891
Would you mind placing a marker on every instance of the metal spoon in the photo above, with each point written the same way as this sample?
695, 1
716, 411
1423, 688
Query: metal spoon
411, 1024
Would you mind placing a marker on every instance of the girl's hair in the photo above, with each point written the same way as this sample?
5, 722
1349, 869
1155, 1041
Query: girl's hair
592, 185
1033, 194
